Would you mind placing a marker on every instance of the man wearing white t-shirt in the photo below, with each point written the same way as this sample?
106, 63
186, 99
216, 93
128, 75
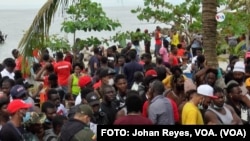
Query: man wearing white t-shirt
10, 65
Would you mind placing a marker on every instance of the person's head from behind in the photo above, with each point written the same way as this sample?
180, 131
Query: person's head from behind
19, 92
121, 83
84, 92
147, 58
18, 74
49, 69
9, 64
219, 102
108, 93
46, 57
200, 60
133, 102
58, 122
84, 113
59, 56
104, 61
96, 50
93, 101
179, 46
53, 80
159, 61
132, 55
189, 94
174, 49
155, 88
54, 96
15, 53
49, 109
36, 67
158, 28
138, 76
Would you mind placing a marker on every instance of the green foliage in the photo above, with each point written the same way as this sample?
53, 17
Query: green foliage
88, 16
56, 43
235, 23
186, 16
121, 37
91, 41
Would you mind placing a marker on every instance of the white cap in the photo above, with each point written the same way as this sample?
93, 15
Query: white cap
239, 67
206, 90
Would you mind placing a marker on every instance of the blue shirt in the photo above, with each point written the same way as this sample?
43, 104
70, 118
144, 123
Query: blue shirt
92, 61
129, 69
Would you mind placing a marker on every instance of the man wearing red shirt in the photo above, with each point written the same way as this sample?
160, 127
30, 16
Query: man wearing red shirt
158, 41
63, 70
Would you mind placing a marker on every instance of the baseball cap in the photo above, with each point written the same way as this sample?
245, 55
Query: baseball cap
84, 80
151, 72
85, 109
16, 105
206, 90
92, 99
18, 91
106, 71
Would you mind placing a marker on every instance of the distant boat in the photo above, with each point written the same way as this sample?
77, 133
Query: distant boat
2, 37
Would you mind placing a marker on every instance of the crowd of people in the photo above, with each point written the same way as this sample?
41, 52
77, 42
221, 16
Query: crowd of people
68, 99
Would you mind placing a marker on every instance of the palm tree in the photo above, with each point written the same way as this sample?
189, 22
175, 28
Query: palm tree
209, 26
37, 34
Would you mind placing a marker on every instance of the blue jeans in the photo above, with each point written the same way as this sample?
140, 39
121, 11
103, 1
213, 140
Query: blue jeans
157, 49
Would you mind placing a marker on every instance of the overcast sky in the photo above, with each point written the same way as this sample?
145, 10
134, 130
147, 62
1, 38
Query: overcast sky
36, 4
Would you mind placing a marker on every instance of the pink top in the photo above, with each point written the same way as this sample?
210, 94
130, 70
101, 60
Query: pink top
164, 54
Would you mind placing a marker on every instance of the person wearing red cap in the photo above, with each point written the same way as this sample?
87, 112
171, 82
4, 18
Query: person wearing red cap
11, 130
83, 82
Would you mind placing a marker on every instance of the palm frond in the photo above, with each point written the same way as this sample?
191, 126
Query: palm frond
37, 34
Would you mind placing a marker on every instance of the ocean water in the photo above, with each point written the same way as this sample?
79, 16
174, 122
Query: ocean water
14, 23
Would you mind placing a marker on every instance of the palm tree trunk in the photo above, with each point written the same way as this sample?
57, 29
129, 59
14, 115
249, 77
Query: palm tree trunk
209, 26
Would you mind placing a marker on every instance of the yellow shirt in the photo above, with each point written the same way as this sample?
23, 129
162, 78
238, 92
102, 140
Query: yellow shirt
167, 81
191, 115
175, 39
